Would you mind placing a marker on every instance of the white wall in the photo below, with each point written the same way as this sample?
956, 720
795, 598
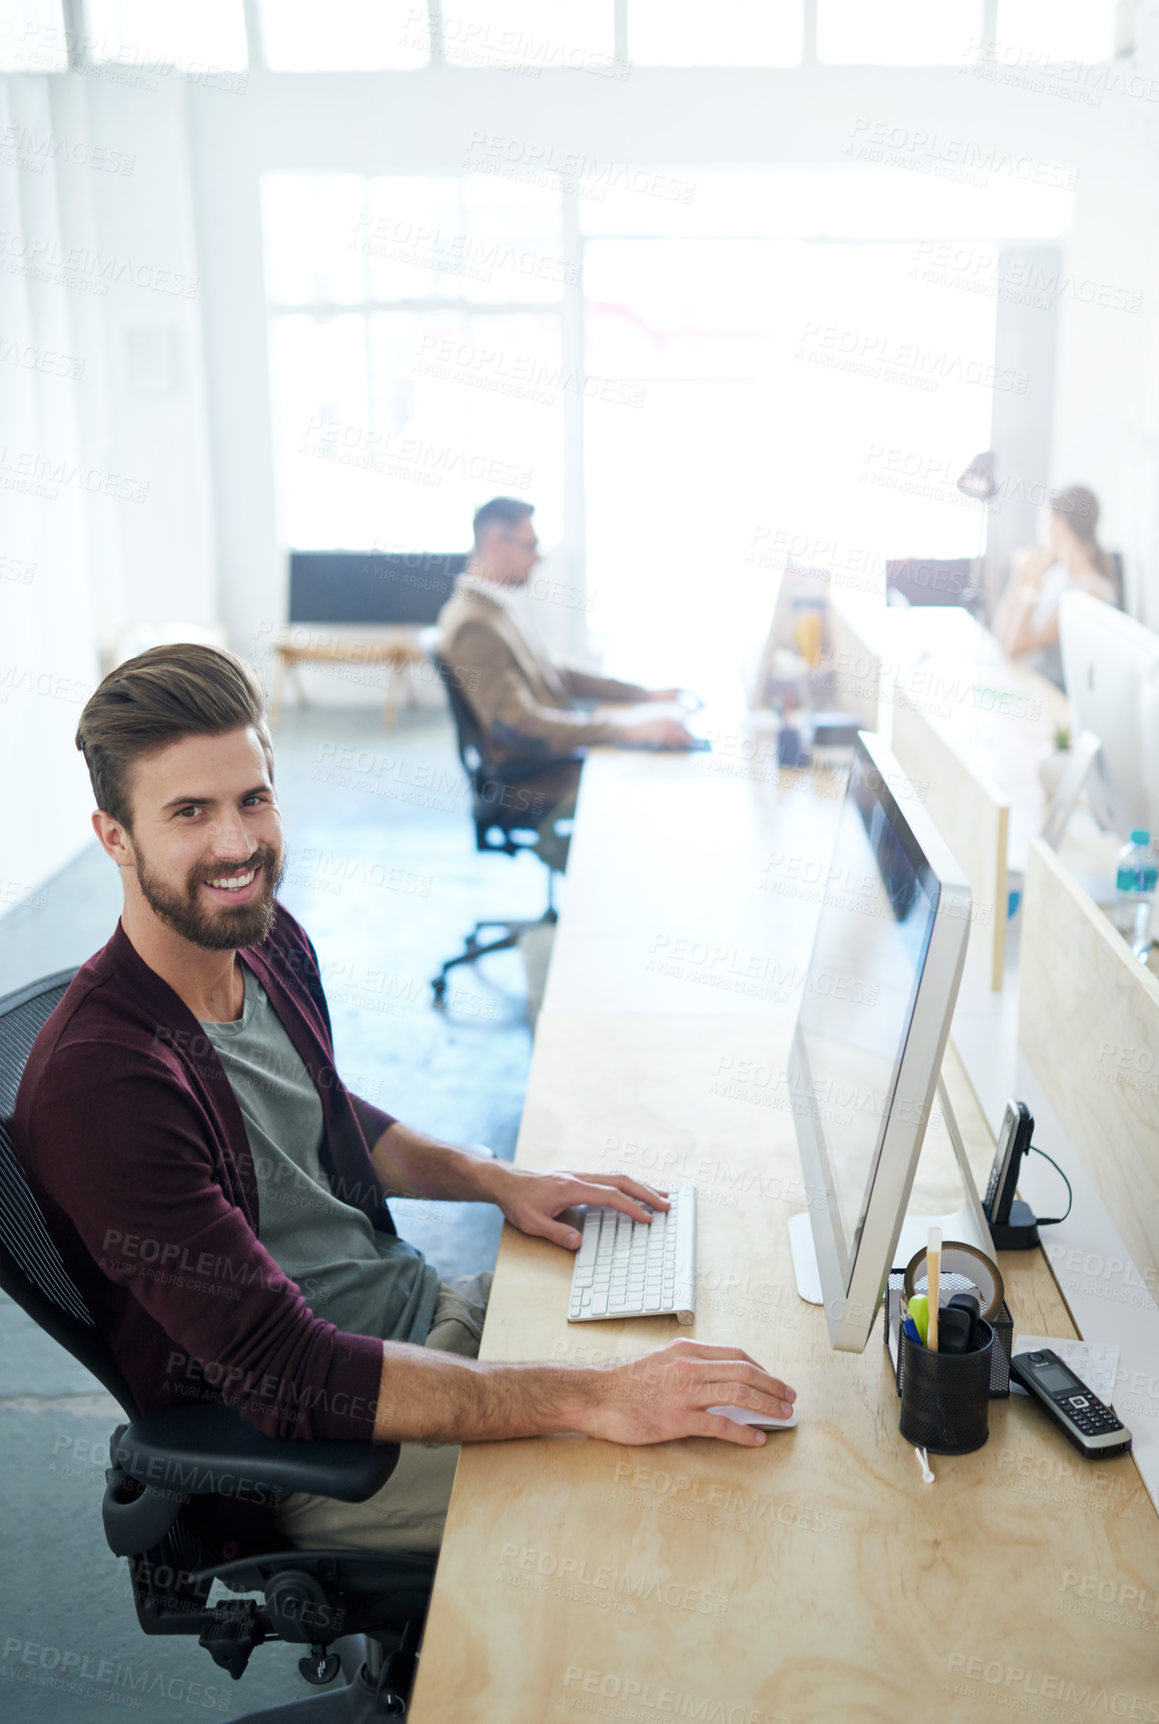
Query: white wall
47, 655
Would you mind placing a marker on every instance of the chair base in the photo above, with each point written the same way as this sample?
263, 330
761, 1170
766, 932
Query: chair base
476, 948
356, 1704
379, 1691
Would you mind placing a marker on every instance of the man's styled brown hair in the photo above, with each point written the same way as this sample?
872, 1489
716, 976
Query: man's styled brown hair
157, 698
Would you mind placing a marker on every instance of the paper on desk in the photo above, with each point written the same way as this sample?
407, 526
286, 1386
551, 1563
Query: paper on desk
1096, 1362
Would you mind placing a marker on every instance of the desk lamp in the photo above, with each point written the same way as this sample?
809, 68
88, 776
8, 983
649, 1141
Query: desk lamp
978, 481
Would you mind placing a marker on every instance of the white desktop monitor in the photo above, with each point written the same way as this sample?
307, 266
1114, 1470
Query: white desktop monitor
1110, 665
871, 1032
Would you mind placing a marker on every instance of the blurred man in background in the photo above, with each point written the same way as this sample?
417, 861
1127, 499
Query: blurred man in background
526, 705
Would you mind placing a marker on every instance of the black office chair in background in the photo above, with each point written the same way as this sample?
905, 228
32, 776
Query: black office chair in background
196, 1455
934, 581
503, 794
1118, 579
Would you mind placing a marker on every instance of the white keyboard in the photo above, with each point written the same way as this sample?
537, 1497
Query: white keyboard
627, 1268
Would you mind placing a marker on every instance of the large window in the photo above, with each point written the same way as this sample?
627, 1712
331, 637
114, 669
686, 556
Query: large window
898, 32
713, 381
727, 33
1063, 30
355, 35
797, 396
532, 34
197, 39
33, 38
416, 355
803, 401
605, 37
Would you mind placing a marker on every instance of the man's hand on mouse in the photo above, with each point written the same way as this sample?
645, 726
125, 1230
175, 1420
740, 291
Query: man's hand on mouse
662, 1396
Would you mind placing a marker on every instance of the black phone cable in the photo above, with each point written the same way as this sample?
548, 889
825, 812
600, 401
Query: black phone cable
1053, 1220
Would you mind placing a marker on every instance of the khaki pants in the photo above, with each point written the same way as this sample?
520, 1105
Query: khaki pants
409, 1511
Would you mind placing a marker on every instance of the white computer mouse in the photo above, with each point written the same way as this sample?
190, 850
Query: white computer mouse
746, 1416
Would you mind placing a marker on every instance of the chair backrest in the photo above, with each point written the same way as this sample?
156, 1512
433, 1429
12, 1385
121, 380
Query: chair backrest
32, 1271
470, 735
932, 580
496, 820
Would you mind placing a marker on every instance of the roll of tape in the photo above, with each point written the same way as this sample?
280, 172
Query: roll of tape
972, 1265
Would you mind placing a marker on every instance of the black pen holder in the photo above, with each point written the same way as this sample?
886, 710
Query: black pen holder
945, 1397
1001, 1322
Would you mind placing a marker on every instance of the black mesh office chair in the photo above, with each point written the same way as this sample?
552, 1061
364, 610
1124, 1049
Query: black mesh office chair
504, 806
934, 581
198, 1453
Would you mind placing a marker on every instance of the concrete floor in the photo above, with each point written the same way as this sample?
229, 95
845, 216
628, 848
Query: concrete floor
384, 875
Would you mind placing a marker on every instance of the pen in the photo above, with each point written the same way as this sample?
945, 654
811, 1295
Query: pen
933, 1275
919, 1315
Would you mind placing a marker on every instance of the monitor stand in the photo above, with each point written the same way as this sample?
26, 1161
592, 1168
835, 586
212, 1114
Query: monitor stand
967, 1225
1070, 787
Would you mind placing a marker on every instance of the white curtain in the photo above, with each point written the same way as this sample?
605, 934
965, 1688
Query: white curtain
106, 490
50, 443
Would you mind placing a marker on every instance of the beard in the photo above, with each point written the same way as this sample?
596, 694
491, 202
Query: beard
224, 927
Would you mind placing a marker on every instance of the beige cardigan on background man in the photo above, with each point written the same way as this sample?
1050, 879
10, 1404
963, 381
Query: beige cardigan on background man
517, 694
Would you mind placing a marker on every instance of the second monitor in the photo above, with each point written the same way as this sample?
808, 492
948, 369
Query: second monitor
1111, 669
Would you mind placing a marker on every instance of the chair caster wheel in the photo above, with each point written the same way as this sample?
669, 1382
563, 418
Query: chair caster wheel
439, 989
388, 1702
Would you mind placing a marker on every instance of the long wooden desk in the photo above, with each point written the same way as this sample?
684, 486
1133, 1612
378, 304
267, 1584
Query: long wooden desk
818, 1579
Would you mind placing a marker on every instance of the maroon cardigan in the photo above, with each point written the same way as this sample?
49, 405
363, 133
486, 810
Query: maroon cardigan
135, 1148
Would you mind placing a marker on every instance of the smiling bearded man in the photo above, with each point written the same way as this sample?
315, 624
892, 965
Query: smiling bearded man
219, 1196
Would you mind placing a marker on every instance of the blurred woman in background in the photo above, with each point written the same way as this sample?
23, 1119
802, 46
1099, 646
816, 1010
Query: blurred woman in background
1068, 558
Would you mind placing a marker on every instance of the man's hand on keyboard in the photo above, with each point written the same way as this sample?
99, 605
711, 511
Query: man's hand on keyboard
531, 1201
656, 732
663, 1395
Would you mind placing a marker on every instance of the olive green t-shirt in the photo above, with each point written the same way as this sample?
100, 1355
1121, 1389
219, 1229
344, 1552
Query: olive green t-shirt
362, 1281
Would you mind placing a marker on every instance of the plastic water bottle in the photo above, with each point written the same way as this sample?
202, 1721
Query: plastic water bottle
1135, 877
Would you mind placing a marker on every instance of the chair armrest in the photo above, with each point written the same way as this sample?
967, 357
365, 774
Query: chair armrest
205, 1451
